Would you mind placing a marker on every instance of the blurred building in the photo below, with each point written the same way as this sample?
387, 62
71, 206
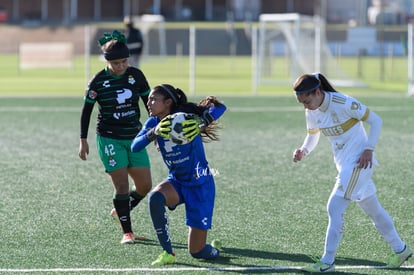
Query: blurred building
75, 11
78, 11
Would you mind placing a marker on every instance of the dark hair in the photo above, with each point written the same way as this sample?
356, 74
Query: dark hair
177, 96
115, 49
309, 83
181, 104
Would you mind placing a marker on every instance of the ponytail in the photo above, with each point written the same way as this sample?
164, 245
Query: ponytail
309, 83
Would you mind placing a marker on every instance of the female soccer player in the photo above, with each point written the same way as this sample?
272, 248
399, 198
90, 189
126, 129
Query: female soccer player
117, 90
339, 117
189, 181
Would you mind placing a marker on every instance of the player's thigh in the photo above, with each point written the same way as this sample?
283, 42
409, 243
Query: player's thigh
137, 159
141, 177
199, 205
353, 182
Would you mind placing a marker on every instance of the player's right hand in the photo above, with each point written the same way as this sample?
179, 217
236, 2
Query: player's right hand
163, 128
83, 149
298, 155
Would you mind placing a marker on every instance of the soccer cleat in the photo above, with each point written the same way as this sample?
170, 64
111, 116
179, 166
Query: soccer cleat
216, 244
163, 259
128, 238
397, 259
319, 267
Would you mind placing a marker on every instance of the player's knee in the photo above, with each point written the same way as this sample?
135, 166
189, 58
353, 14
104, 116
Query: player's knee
207, 253
156, 199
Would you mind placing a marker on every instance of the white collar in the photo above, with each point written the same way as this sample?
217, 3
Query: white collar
325, 104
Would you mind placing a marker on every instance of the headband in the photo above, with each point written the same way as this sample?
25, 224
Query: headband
119, 51
171, 94
316, 75
308, 90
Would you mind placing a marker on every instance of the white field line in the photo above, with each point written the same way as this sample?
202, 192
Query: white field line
235, 109
183, 269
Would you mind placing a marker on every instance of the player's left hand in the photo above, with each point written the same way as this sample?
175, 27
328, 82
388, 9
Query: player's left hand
191, 128
365, 161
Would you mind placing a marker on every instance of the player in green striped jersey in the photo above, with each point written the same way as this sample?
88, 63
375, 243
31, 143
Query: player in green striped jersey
117, 90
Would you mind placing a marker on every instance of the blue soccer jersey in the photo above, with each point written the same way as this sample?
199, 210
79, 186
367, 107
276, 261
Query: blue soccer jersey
188, 172
187, 163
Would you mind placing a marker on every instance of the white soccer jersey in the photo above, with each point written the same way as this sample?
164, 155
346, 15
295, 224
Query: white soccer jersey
340, 118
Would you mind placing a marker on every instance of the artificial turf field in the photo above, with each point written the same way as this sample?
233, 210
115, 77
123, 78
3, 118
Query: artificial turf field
270, 212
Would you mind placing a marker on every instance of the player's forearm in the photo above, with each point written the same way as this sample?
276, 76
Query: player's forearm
140, 142
217, 111
310, 142
375, 123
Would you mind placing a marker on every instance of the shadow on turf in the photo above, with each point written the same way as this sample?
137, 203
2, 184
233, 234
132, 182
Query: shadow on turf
229, 253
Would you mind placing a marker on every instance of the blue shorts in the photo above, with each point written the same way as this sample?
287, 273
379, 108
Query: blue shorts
199, 202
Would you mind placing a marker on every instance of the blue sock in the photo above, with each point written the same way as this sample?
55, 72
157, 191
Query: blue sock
207, 253
156, 202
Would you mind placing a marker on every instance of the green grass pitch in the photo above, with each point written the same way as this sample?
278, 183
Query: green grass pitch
270, 212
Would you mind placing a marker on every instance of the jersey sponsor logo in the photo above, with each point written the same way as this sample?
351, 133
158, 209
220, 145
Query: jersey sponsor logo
106, 84
123, 95
339, 129
123, 114
177, 161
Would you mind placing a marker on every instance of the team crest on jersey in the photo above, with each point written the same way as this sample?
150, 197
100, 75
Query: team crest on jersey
334, 117
131, 80
92, 94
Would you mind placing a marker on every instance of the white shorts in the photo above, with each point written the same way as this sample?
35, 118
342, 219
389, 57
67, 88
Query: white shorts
353, 183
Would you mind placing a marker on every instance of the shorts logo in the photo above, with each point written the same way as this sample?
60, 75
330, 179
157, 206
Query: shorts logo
112, 162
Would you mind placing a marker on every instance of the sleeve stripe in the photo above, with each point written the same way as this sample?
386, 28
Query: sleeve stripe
365, 115
313, 131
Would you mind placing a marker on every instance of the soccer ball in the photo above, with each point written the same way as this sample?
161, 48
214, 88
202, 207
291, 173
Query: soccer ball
177, 134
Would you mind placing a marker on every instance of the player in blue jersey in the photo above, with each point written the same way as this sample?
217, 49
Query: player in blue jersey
340, 118
117, 90
190, 181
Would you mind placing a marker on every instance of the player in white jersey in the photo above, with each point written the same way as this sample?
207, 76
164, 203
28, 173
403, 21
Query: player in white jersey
340, 118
